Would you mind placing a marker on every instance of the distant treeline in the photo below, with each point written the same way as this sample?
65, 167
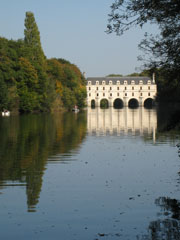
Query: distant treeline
30, 82
144, 73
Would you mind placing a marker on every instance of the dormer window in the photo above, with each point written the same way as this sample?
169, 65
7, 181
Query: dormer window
118, 82
125, 82
132, 82
140, 82
97, 82
89, 82
110, 82
103, 82
149, 82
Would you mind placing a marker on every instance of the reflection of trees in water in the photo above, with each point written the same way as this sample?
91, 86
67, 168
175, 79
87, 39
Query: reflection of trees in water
26, 143
168, 228
168, 118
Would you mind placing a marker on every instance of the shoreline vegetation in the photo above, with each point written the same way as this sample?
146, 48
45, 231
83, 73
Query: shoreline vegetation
30, 82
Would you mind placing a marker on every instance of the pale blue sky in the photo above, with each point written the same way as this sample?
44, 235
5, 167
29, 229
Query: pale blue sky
75, 30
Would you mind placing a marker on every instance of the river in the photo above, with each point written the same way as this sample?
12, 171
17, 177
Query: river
98, 174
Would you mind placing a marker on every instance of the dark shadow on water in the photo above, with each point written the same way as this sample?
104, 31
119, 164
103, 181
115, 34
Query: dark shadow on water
168, 226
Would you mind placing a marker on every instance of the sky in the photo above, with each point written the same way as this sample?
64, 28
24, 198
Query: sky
75, 30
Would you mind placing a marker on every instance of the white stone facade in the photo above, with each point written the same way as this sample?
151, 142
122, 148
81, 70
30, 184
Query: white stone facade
123, 88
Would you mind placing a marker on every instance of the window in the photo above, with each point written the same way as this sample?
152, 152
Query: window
132, 88
89, 82
97, 82
97, 94
103, 94
89, 88
125, 94
149, 88
132, 82
149, 81
125, 88
110, 94
132, 94
110, 82
118, 94
117, 88
140, 88
140, 82
97, 88
103, 88
110, 88
141, 94
103, 82
118, 82
89, 94
125, 82
149, 94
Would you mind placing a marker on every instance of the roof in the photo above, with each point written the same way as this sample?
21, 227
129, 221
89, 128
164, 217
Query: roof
121, 79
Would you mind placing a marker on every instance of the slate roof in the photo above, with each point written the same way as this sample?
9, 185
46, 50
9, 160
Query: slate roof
121, 79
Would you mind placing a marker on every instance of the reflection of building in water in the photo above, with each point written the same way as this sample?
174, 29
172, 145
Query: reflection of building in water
122, 121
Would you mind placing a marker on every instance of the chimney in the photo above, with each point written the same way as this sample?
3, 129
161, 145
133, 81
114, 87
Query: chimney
153, 78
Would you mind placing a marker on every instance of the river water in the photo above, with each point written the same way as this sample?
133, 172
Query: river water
98, 174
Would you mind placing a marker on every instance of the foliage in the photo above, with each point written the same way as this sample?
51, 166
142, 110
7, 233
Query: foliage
70, 83
30, 82
114, 75
3, 95
104, 103
162, 50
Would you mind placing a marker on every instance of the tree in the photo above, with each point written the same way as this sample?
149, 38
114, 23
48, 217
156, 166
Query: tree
32, 37
33, 51
27, 80
115, 75
163, 50
3, 95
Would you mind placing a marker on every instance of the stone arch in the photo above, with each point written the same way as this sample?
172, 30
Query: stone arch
104, 103
149, 103
133, 103
93, 103
118, 103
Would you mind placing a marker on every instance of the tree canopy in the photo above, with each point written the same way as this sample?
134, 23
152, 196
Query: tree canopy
163, 50
30, 82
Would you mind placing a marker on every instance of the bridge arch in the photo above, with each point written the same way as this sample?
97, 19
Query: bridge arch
133, 103
118, 103
93, 103
104, 103
149, 103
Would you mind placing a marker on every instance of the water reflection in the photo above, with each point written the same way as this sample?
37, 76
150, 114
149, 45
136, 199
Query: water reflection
109, 192
112, 121
168, 228
27, 141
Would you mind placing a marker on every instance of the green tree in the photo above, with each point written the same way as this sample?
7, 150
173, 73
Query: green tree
3, 95
27, 80
33, 51
115, 75
32, 38
70, 83
163, 50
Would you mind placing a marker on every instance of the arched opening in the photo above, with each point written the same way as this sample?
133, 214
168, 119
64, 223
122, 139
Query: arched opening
104, 103
133, 103
118, 103
149, 103
93, 104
